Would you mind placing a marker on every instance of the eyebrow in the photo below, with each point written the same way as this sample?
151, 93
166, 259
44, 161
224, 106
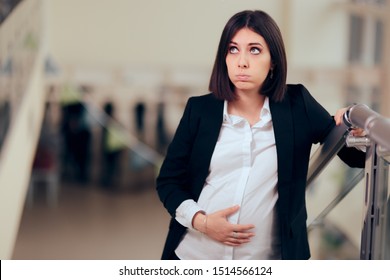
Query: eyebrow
250, 44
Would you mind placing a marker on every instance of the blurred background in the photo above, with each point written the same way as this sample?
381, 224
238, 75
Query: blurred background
91, 93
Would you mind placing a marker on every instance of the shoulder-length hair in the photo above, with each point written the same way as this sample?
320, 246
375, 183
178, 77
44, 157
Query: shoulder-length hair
260, 22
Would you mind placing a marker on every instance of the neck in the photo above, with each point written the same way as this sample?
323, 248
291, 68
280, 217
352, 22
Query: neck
248, 107
249, 103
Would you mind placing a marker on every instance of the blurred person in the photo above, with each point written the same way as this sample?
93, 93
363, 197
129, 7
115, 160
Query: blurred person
234, 177
78, 141
139, 114
113, 147
161, 132
77, 136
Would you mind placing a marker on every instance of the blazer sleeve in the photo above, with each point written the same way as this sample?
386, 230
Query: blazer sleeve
352, 157
321, 123
172, 181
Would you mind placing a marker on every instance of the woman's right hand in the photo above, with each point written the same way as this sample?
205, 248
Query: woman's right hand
217, 227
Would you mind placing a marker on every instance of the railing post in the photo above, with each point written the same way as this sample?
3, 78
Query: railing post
373, 239
376, 220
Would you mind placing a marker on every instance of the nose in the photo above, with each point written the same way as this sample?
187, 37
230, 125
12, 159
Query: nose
243, 61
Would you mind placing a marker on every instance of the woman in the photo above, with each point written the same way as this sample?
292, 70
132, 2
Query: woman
234, 176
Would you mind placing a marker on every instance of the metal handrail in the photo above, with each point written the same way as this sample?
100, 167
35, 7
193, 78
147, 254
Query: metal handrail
376, 126
376, 142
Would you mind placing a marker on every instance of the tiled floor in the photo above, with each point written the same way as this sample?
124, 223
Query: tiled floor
89, 223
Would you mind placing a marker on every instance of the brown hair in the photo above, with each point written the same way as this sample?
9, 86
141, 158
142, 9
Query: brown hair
261, 23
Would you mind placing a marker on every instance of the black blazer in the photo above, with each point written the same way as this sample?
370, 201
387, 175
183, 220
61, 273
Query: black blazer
298, 121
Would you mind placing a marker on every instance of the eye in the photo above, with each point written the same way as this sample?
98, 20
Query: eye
255, 50
233, 50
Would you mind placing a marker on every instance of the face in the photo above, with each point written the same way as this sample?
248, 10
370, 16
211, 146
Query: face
248, 61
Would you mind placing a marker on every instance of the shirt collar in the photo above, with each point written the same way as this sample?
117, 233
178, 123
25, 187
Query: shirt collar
265, 113
226, 118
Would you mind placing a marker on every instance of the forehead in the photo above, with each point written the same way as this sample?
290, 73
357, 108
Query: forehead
246, 35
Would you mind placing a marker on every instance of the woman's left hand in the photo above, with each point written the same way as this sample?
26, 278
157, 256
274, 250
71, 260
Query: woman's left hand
338, 117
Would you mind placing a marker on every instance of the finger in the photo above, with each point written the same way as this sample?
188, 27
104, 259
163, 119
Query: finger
338, 118
358, 132
236, 241
243, 235
234, 244
239, 237
231, 210
339, 115
243, 228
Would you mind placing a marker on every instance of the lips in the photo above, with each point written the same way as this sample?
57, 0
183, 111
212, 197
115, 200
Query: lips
242, 77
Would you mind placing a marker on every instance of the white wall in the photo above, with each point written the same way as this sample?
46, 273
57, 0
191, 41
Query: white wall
151, 32
318, 34
187, 32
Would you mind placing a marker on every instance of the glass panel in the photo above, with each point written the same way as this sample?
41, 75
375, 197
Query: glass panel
338, 234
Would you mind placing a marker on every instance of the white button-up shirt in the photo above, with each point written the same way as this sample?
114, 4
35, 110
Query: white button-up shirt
243, 171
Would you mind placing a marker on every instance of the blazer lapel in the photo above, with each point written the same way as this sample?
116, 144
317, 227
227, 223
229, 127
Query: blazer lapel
208, 133
284, 138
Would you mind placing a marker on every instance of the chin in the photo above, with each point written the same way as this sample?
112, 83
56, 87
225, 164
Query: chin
240, 86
